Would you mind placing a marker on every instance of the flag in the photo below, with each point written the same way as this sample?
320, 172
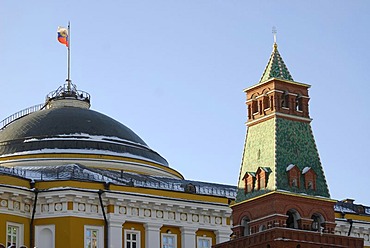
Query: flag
63, 35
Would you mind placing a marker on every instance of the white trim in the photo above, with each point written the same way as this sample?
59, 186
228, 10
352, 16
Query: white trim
204, 238
169, 235
20, 233
100, 237
266, 217
278, 114
40, 228
138, 237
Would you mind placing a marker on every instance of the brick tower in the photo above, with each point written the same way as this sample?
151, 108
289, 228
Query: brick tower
283, 199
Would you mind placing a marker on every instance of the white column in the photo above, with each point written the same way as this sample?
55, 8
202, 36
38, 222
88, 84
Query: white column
188, 237
222, 235
115, 233
152, 235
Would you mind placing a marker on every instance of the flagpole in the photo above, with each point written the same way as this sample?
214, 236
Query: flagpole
69, 58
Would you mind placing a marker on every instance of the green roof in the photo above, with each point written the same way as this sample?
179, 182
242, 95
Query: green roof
276, 68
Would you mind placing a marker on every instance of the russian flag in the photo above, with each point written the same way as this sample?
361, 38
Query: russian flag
63, 35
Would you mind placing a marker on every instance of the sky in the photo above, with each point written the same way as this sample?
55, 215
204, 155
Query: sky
174, 72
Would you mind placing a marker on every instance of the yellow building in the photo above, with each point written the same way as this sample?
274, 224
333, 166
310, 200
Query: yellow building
73, 177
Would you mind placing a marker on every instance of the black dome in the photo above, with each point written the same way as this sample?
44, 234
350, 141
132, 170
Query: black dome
73, 128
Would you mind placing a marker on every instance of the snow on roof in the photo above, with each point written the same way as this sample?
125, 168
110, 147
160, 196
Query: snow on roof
83, 173
289, 167
89, 137
342, 209
305, 170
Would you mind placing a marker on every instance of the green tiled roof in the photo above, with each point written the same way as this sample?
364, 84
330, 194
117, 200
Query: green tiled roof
277, 143
276, 67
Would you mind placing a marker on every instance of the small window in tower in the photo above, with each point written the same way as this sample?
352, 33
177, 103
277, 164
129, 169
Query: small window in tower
285, 100
298, 103
317, 222
266, 102
294, 182
262, 183
292, 219
254, 106
310, 185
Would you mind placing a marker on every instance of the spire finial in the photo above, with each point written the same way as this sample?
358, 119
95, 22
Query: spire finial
274, 31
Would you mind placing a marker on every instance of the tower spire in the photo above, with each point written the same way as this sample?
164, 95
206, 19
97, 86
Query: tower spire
276, 67
274, 31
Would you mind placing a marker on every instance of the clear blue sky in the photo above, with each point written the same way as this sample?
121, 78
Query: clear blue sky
174, 72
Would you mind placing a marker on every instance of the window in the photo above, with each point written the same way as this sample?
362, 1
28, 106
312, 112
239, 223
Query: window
317, 222
298, 103
254, 106
249, 180
245, 224
293, 217
285, 100
132, 239
14, 234
93, 237
204, 242
168, 240
266, 102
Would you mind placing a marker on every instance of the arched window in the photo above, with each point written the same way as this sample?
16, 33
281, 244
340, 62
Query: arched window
254, 106
298, 103
245, 224
317, 222
266, 102
285, 100
292, 220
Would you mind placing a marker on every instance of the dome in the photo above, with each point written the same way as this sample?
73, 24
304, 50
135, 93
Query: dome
74, 128
65, 131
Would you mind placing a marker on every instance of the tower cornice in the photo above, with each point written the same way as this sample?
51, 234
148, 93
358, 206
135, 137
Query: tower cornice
277, 114
276, 79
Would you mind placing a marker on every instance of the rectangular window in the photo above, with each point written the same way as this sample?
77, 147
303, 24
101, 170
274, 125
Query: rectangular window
94, 237
14, 234
204, 242
132, 239
169, 241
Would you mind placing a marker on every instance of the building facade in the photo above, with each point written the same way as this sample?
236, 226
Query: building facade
73, 177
